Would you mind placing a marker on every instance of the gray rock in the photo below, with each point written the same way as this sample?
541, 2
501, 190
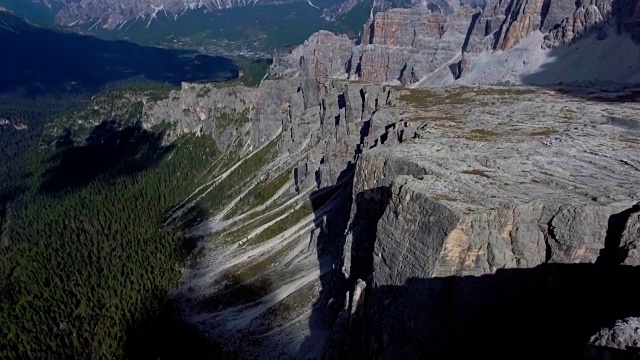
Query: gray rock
425, 46
625, 333
630, 239
481, 189
323, 55
453, 191
326, 115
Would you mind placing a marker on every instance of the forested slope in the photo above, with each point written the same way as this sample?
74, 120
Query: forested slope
87, 258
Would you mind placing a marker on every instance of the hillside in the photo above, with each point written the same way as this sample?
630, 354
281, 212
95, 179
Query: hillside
73, 60
253, 29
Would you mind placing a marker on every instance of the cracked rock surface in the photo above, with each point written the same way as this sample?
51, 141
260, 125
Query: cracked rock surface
492, 181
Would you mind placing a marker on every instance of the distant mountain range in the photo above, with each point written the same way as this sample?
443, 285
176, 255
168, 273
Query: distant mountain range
254, 28
113, 13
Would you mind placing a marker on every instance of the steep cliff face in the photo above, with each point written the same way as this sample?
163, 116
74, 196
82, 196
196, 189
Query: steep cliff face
435, 45
322, 55
278, 196
405, 45
480, 223
320, 119
401, 198
622, 16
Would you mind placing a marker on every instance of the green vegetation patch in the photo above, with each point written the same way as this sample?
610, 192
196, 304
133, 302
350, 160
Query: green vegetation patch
252, 70
151, 90
282, 225
261, 267
88, 267
256, 221
231, 186
259, 194
225, 120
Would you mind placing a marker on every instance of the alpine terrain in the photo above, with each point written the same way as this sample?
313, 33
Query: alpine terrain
461, 179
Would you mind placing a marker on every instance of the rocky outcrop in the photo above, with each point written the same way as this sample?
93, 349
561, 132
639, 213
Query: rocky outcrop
601, 16
323, 55
406, 45
202, 108
326, 115
399, 46
630, 237
625, 333
587, 16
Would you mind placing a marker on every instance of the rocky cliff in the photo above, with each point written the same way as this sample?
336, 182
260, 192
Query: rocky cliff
392, 202
453, 205
376, 221
437, 44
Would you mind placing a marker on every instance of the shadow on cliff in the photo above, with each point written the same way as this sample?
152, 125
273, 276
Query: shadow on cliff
548, 312
336, 235
599, 61
331, 207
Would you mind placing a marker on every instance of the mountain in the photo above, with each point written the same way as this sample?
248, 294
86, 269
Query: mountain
451, 216
504, 42
112, 13
459, 182
212, 28
454, 217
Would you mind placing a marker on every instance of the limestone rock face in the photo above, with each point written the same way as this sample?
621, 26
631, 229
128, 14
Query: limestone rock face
610, 342
630, 238
326, 115
475, 209
323, 55
524, 18
203, 108
430, 44
405, 45
588, 15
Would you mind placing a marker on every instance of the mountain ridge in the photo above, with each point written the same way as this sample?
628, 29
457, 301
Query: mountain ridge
114, 13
